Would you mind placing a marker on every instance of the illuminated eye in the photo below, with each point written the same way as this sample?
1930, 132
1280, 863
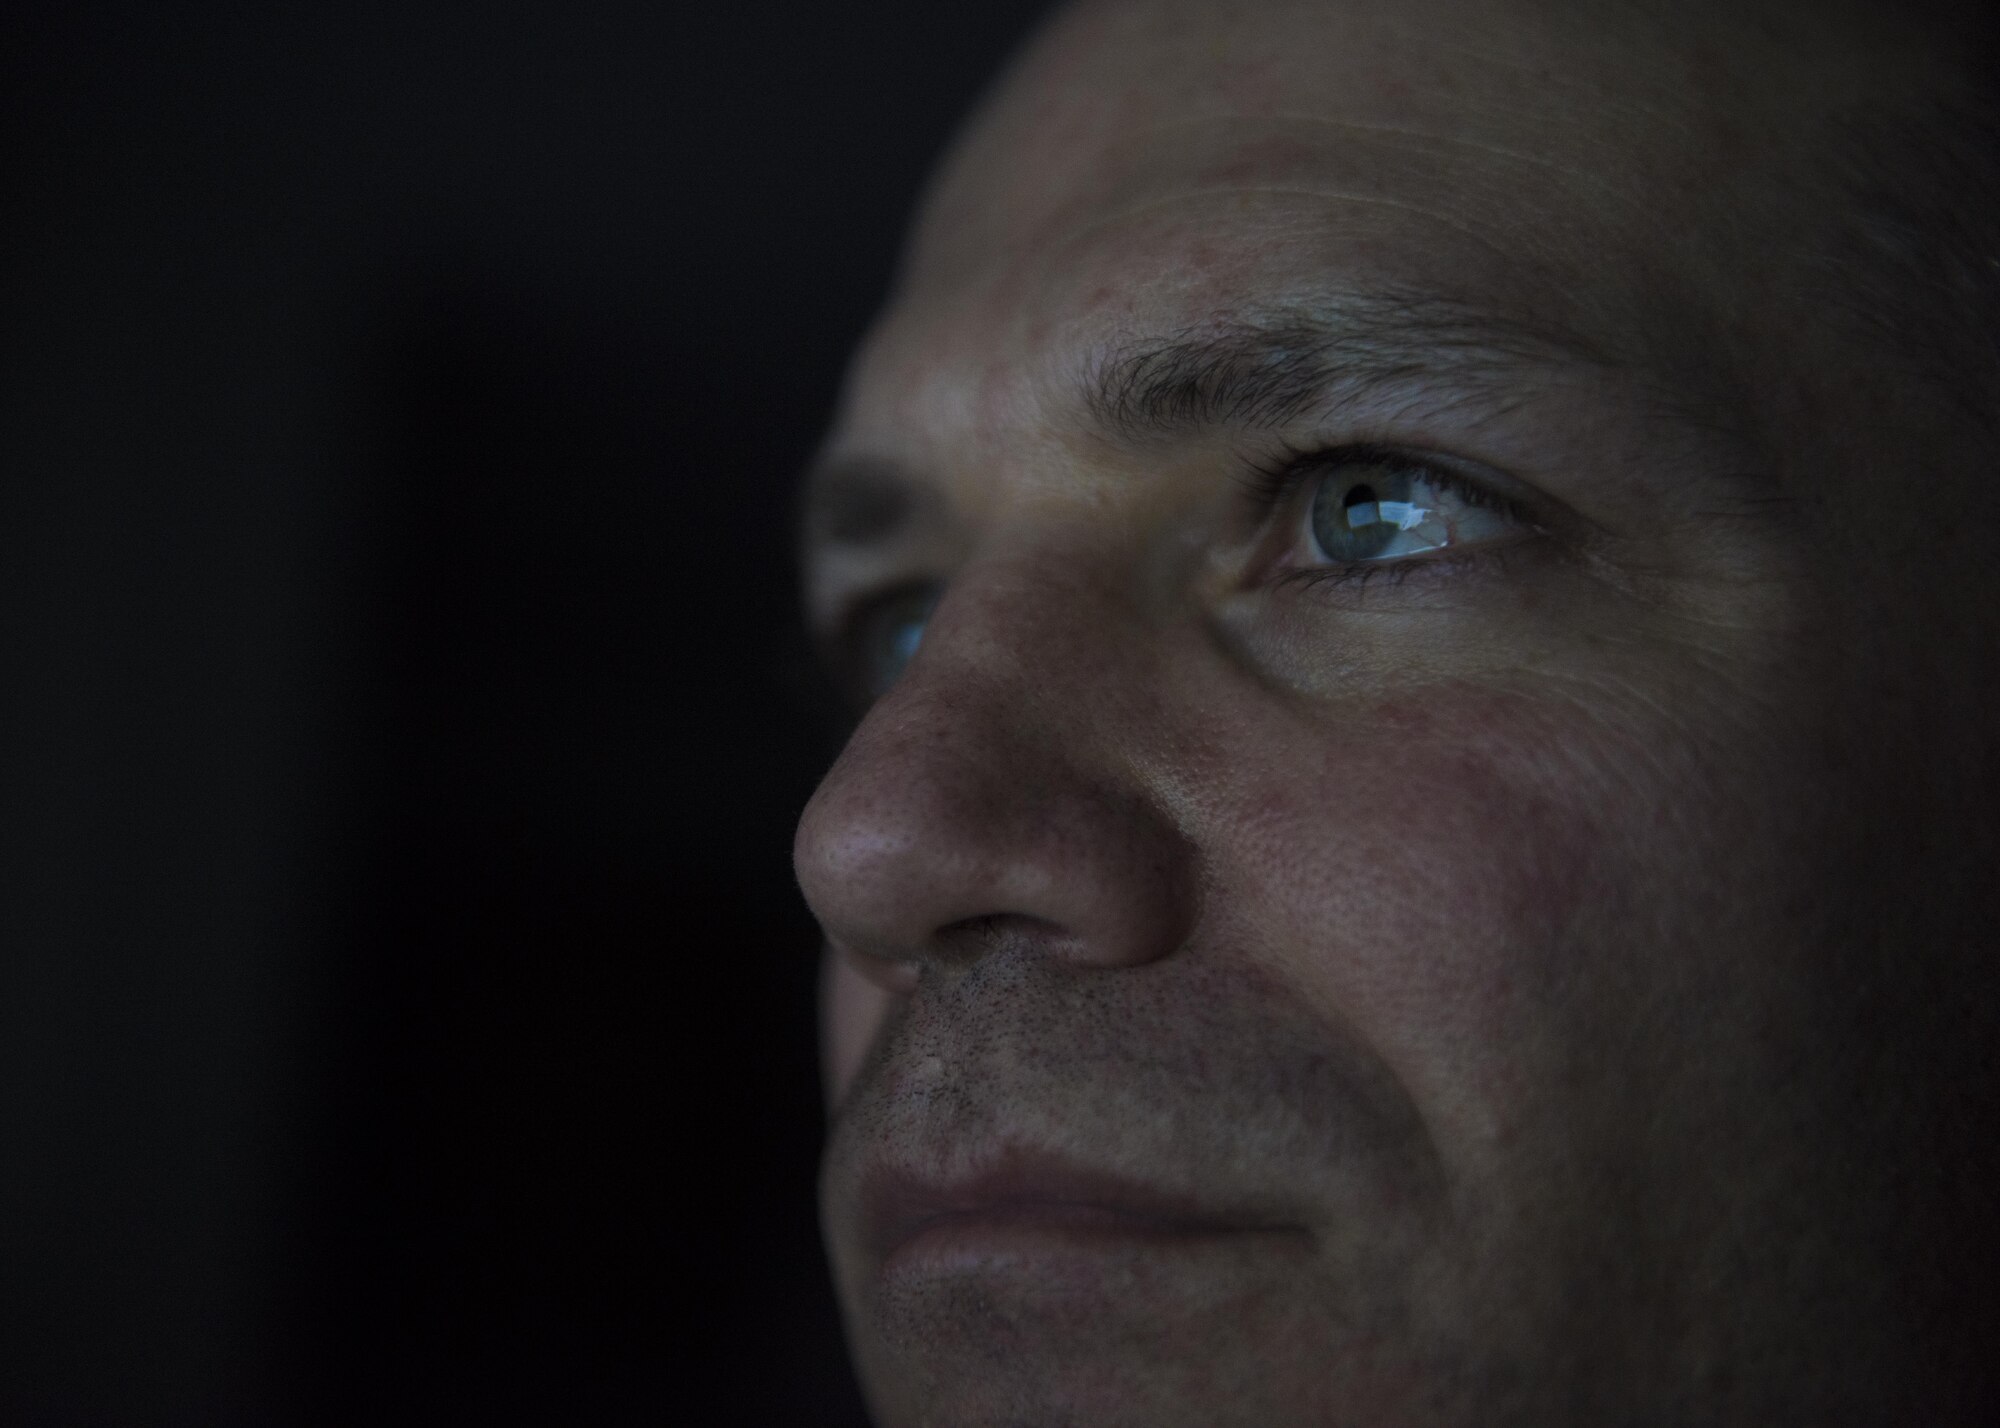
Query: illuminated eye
1376, 508
885, 636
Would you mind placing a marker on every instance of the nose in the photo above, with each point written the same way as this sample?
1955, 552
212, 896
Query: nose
992, 795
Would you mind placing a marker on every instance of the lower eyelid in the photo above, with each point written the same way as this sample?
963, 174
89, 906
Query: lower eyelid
1443, 567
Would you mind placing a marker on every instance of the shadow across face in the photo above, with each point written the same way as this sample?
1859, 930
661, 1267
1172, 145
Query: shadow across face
1359, 893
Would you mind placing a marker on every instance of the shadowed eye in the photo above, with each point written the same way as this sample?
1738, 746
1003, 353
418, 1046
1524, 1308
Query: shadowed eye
884, 637
1375, 507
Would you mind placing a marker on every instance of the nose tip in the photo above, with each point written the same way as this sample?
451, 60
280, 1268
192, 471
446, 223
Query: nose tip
951, 820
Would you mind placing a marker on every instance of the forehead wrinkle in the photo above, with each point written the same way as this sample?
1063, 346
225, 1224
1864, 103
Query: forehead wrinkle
1083, 231
1642, 77
1425, 139
1409, 135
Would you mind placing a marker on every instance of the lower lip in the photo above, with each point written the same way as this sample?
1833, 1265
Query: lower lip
996, 1237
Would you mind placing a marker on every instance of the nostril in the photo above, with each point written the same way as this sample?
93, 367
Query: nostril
972, 938
897, 975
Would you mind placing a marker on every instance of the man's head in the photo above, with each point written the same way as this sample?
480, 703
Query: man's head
1431, 864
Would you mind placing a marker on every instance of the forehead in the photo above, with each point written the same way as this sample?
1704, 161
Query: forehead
1119, 100
1148, 167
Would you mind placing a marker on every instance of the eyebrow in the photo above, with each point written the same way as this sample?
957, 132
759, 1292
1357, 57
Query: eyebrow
855, 502
1274, 366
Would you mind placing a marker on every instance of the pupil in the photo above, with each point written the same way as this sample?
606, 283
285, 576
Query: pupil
1348, 520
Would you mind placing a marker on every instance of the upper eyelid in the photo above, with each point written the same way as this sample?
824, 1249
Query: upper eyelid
840, 585
1273, 483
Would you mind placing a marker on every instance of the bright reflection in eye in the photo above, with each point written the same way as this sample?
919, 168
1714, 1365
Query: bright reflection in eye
1377, 508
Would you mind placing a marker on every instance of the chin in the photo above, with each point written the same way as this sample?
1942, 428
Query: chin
1214, 1335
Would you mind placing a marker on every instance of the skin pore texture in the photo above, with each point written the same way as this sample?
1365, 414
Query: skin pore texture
1536, 981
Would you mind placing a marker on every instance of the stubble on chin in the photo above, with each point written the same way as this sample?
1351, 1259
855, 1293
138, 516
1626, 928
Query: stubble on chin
1216, 1081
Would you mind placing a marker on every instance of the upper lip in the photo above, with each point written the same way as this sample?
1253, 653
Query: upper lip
897, 1205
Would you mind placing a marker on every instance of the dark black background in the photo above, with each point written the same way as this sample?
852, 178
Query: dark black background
405, 1013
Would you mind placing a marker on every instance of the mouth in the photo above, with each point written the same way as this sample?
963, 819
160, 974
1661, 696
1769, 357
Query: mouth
1030, 1207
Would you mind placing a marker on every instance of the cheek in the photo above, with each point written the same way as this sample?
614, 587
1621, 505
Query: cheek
1436, 878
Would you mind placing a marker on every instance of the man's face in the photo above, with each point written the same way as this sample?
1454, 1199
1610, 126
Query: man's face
1366, 904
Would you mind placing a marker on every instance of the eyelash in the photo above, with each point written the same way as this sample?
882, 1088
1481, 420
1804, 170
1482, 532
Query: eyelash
1275, 483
